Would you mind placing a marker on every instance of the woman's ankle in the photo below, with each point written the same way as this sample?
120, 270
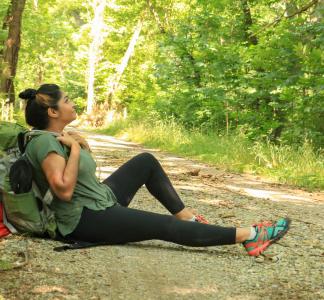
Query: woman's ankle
185, 214
242, 234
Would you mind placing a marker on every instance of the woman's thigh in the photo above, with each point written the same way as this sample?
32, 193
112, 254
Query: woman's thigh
129, 177
145, 169
119, 225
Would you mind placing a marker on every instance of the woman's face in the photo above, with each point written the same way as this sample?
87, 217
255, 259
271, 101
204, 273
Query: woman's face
66, 109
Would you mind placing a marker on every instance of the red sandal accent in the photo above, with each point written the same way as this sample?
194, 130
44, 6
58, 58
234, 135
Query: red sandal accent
201, 219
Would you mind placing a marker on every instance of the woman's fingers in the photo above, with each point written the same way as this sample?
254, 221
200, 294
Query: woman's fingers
81, 140
76, 136
66, 139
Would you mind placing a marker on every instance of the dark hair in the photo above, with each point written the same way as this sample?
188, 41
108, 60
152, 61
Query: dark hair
38, 101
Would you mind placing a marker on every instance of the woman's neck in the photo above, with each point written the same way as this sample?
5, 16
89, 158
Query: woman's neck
58, 128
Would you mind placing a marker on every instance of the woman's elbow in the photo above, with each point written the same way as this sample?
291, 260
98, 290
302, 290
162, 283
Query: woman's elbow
61, 191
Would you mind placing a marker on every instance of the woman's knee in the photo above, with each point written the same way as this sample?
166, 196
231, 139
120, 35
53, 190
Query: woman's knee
146, 156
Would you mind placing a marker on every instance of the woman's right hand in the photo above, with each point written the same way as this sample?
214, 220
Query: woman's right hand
67, 140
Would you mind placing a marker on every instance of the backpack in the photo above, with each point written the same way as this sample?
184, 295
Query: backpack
25, 209
8, 152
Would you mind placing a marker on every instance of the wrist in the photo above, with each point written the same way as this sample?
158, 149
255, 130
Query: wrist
75, 145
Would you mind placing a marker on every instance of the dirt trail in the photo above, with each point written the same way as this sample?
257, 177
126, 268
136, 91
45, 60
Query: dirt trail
292, 269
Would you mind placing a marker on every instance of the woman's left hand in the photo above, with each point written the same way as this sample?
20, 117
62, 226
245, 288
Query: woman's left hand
81, 140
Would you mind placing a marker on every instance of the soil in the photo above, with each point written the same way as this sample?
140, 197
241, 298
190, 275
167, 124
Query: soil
290, 269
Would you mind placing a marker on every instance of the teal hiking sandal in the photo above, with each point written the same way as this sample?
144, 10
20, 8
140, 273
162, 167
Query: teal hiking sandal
267, 233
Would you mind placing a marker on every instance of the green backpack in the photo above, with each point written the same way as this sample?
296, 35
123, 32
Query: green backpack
26, 212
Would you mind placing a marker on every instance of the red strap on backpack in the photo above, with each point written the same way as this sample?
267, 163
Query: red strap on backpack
3, 229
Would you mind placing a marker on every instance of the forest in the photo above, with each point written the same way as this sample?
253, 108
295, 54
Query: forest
197, 142
234, 82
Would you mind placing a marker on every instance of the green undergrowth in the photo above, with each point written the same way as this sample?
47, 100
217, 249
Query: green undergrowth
5, 265
299, 166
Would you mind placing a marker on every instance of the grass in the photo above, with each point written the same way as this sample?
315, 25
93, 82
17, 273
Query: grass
5, 265
301, 167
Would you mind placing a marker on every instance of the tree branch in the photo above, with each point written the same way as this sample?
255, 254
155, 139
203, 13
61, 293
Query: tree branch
277, 20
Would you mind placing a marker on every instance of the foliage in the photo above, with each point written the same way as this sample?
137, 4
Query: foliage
213, 67
195, 60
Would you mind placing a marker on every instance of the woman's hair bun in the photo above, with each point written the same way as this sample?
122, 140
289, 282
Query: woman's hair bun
28, 94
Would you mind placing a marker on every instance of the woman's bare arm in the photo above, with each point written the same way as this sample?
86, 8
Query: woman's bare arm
62, 175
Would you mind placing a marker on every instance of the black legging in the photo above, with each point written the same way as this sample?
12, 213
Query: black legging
120, 224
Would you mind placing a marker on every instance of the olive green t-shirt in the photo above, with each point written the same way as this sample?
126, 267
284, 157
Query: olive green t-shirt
88, 191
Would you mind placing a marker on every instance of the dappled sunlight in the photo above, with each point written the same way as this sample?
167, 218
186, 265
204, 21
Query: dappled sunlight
190, 187
173, 161
108, 138
276, 196
101, 158
173, 158
213, 202
250, 182
187, 291
106, 151
105, 141
109, 144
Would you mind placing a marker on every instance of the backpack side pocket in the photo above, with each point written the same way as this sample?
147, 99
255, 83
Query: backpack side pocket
23, 213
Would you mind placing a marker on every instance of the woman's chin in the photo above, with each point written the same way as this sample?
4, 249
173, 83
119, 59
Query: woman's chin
74, 120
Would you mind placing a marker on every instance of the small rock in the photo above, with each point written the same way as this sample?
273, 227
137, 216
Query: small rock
259, 259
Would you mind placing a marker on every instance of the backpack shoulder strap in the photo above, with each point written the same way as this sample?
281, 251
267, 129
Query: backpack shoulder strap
48, 197
28, 135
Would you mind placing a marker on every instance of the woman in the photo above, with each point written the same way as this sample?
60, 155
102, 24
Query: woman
91, 211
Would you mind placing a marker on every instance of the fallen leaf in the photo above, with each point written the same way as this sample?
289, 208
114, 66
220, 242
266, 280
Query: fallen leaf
206, 175
194, 172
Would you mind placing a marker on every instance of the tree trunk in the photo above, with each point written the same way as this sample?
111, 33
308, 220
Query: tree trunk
156, 16
2, 43
35, 4
252, 39
10, 51
114, 83
227, 117
96, 28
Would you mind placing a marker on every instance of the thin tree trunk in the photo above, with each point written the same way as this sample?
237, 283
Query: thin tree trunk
35, 4
156, 16
124, 62
252, 39
2, 41
227, 117
10, 51
96, 29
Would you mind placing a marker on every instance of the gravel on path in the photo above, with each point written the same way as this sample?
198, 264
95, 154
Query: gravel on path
290, 269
